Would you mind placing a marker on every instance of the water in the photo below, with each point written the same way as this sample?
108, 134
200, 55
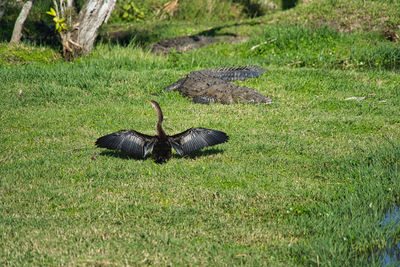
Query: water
391, 255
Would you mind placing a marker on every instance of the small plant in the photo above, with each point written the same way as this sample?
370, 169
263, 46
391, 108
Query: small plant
60, 22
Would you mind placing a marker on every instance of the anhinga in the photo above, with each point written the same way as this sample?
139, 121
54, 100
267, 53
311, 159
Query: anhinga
139, 145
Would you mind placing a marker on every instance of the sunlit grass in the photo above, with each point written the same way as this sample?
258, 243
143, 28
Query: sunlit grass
303, 181
285, 167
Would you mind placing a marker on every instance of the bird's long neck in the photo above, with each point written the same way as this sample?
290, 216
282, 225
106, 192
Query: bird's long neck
160, 131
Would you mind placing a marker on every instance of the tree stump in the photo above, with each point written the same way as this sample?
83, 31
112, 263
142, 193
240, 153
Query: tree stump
79, 38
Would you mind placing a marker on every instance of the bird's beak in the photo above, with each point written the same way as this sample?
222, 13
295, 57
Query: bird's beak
148, 101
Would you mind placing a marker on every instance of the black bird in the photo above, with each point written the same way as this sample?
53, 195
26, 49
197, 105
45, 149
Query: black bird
139, 145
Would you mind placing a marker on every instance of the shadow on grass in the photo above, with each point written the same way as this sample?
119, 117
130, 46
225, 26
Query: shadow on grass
126, 37
201, 153
195, 155
144, 37
213, 31
120, 155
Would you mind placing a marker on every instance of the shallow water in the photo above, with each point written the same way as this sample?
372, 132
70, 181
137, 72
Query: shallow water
391, 255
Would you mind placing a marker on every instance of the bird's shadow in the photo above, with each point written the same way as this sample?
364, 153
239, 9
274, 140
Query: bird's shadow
197, 154
120, 155
201, 153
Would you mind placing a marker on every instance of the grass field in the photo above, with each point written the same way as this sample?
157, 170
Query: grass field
303, 181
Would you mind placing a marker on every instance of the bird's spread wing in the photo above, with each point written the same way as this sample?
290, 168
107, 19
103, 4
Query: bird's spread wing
128, 141
195, 139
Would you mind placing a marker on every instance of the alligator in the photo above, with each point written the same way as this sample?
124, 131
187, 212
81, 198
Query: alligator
212, 85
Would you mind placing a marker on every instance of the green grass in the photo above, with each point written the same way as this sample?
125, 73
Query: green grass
302, 171
345, 16
304, 181
24, 54
296, 46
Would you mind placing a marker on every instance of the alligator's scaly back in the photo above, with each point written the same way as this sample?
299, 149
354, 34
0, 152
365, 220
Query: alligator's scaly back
230, 74
212, 85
